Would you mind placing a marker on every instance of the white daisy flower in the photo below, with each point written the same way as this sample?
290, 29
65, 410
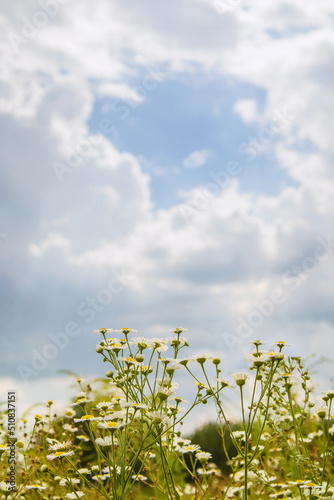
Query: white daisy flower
111, 426
66, 482
103, 331
139, 477
56, 445
203, 456
35, 487
87, 418
83, 438
60, 454
69, 413
179, 330
126, 331
106, 441
240, 378
164, 393
202, 358
69, 428
157, 417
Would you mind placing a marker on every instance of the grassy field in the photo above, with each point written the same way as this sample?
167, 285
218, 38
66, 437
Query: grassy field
120, 438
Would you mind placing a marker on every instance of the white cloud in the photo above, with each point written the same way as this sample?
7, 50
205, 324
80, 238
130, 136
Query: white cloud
247, 109
54, 240
38, 392
197, 158
122, 90
206, 271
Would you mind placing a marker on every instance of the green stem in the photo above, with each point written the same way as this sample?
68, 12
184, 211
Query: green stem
245, 496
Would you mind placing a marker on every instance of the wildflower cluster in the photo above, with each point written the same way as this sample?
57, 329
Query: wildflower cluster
122, 437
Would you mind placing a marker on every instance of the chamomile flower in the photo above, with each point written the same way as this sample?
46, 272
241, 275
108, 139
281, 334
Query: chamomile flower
207, 472
111, 426
84, 471
202, 358
172, 368
298, 482
321, 411
4, 486
200, 385
179, 330
240, 378
223, 383
189, 489
74, 496
69, 413
239, 435
66, 482
166, 361
142, 343
146, 370
159, 345
114, 470
164, 393
329, 394
157, 417
281, 344
56, 445
190, 448
104, 405
258, 358
35, 487
101, 477
139, 477
115, 347
87, 418
103, 331
116, 415
126, 331
106, 442
183, 361
132, 404
177, 341
39, 419
203, 456
179, 400
257, 343
276, 355
81, 399
60, 454
83, 438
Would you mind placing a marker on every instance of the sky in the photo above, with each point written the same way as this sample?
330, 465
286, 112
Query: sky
164, 164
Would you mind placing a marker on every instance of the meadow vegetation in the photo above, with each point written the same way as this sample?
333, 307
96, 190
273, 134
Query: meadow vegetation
121, 437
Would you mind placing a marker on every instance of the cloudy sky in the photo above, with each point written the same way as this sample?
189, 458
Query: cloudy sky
164, 164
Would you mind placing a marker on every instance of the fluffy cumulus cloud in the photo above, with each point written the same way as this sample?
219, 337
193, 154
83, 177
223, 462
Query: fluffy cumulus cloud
85, 243
197, 158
